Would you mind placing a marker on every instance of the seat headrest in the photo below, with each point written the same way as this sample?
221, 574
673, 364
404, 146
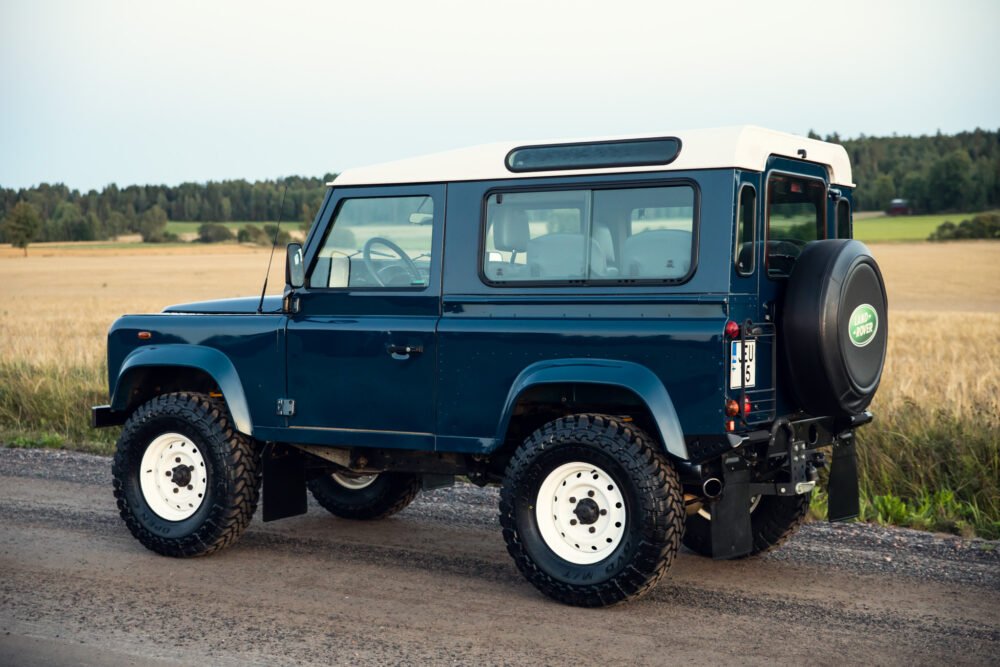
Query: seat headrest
510, 230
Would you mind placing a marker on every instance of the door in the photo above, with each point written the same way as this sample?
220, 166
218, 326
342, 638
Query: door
362, 348
794, 213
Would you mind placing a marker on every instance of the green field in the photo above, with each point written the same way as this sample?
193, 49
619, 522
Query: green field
901, 227
192, 227
867, 227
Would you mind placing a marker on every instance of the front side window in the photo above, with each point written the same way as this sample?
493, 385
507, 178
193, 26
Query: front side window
585, 236
796, 214
377, 242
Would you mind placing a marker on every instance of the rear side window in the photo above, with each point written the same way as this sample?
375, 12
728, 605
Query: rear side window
796, 214
844, 230
746, 223
590, 236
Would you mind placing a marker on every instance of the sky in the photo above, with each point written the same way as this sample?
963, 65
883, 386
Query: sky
165, 92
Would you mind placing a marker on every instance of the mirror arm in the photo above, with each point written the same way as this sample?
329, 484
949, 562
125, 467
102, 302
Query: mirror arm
290, 302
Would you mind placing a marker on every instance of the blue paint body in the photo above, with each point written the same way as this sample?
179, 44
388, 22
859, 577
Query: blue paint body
482, 347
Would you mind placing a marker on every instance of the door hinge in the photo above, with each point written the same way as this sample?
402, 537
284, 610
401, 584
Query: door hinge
286, 407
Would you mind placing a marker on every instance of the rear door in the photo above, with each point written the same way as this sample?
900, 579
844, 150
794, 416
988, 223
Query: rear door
362, 348
794, 212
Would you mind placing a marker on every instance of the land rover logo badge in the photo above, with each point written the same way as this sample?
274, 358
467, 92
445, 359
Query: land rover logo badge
863, 325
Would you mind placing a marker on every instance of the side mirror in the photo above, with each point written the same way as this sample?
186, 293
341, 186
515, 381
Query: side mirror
295, 269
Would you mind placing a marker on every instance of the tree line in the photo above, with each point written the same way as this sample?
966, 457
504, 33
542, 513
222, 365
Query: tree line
54, 212
938, 173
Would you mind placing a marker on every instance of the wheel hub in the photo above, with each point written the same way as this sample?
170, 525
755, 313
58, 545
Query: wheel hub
173, 478
587, 511
581, 513
181, 475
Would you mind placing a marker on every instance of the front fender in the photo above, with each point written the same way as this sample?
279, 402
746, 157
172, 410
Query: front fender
625, 374
206, 359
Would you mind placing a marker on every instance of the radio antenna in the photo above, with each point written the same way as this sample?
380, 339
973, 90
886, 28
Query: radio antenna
277, 228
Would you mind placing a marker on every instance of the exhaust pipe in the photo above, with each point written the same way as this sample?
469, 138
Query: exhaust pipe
712, 488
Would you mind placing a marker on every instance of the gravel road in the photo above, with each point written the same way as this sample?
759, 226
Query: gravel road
434, 585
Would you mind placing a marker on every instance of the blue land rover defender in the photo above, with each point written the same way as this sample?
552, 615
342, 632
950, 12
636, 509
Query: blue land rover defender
645, 341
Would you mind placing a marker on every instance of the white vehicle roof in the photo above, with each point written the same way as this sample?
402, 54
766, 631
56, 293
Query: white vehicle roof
742, 147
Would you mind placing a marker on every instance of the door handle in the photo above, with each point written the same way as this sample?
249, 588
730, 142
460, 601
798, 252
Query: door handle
403, 351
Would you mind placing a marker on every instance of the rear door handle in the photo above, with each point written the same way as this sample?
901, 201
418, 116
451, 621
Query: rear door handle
403, 351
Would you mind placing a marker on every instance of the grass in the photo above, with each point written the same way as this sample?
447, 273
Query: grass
192, 227
886, 228
930, 460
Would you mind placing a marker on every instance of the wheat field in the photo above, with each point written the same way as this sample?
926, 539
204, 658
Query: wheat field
936, 425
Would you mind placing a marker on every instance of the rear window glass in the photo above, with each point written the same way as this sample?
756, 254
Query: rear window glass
796, 214
590, 236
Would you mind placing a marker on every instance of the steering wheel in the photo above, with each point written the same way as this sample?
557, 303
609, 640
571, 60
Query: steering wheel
407, 263
781, 254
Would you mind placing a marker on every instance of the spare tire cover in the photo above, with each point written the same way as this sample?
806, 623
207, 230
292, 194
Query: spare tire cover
834, 327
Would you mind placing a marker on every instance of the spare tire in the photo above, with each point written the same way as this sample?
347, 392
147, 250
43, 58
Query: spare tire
834, 327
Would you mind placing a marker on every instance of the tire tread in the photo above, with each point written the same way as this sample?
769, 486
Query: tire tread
660, 498
240, 464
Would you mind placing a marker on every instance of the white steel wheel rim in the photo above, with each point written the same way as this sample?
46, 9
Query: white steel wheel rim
354, 482
173, 477
581, 513
706, 514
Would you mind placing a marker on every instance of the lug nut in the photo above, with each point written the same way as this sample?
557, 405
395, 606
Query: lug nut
590, 494
572, 500
593, 530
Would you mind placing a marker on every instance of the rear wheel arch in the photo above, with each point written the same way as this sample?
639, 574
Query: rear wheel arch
548, 390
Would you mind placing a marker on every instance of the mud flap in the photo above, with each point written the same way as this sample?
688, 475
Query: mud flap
284, 483
731, 531
843, 503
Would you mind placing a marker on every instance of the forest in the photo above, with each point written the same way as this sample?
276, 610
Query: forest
935, 173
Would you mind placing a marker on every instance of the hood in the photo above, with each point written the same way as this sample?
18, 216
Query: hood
245, 305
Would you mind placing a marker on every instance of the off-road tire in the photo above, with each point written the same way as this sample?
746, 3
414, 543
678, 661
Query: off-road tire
391, 492
232, 465
653, 499
774, 520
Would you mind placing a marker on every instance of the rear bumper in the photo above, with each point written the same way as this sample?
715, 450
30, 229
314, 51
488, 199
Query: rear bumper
102, 416
811, 432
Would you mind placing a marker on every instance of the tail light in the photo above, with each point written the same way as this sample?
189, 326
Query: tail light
732, 329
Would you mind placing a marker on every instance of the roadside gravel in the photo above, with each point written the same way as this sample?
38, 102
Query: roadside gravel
434, 585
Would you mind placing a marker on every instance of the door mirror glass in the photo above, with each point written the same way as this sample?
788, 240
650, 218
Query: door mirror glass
295, 270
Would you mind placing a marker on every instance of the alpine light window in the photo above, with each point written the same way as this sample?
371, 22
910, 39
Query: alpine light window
593, 155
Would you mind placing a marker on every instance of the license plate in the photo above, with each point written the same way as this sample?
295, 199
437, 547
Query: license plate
739, 372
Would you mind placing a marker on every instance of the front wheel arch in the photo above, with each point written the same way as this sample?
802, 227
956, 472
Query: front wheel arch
151, 371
